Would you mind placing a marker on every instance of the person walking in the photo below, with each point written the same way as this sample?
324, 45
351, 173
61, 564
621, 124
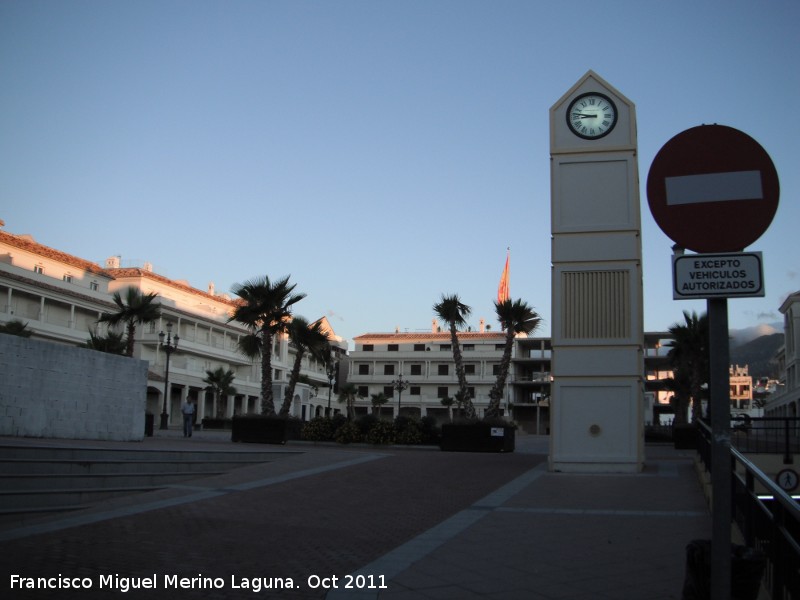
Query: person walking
188, 417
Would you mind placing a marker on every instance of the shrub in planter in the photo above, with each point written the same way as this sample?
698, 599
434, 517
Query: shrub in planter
214, 423
407, 431
319, 429
382, 432
349, 433
259, 428
365, 423
478, 436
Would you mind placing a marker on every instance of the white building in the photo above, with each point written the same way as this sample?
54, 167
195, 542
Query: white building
785, 402
424, 361
61, 297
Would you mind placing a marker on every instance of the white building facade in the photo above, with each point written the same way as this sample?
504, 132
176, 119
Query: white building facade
60, 298
423, 362
785, 402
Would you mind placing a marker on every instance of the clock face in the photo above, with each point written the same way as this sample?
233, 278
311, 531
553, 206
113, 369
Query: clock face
592, 115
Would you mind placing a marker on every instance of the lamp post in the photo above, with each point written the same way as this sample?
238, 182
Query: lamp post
399, 384
169, 346
331, 368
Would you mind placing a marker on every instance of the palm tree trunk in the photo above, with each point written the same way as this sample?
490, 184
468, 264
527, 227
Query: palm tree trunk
463, 386
496, 394
129, 341
267, 400
295, 375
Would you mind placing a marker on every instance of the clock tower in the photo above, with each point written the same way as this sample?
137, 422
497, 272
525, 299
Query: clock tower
597, 321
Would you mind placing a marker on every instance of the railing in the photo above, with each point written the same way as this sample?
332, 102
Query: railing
769, 521
766, 435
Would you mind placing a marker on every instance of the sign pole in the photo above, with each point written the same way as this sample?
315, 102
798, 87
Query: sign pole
721, 478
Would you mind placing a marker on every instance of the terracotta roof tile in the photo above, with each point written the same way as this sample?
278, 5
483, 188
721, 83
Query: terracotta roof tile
430, 336
27, 243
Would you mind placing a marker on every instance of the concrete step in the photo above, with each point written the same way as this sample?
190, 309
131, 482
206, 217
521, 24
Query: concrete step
42, 479
43, 482
91, 453
99, 466
23, 501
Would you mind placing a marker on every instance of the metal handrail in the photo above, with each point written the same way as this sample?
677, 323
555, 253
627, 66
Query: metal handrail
769, 522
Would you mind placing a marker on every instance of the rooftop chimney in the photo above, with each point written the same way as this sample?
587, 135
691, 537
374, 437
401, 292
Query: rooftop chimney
482, 325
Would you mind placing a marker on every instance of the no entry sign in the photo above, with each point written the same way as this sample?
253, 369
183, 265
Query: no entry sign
713, 188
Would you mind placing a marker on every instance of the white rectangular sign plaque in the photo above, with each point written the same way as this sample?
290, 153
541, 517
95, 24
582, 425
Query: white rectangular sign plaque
728, 275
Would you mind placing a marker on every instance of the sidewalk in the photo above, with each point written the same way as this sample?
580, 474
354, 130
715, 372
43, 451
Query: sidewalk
412, 523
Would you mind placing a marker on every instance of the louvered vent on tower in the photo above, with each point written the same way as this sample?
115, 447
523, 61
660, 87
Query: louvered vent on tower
595, 304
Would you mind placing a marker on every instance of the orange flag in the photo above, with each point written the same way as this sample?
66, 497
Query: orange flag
502, 289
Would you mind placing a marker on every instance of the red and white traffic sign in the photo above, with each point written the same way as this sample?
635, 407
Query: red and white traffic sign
713, 188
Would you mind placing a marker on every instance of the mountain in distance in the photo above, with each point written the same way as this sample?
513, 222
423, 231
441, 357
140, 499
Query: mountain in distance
759, 355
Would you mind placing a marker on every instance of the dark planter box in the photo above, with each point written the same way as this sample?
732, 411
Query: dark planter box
212, 423
684, 437
259, 429
477, 437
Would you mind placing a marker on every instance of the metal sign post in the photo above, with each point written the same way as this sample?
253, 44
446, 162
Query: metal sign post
720, 408
704, 175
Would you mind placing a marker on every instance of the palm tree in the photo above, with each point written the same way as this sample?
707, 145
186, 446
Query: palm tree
454, 312
306, 338
134, 308
16, 327
515, 316
266, 309
348, 394
689, 359
113, 343
220, 383
378, 400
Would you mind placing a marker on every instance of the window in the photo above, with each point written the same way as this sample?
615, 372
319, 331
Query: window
67, 278
414, 390
393, 347
388, 391
499, 346
416, 369
444, 369
94, 286
445, 347
471, 391
388, 369
441, 392
495, 369
363, 391
469, 369
38, 269
368, 348
469, 346
419, 347
363, 369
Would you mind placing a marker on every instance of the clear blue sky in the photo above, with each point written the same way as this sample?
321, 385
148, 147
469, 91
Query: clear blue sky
382, 153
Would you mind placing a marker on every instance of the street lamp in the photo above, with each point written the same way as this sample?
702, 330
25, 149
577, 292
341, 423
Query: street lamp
399, 384
169, 347
331, 368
